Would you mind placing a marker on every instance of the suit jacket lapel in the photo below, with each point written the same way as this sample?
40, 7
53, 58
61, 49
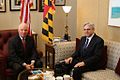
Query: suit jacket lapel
92, 41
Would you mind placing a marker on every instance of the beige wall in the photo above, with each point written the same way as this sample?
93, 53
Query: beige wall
60, 18
96, 11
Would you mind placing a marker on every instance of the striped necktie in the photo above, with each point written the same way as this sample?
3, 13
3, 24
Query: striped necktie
24, 43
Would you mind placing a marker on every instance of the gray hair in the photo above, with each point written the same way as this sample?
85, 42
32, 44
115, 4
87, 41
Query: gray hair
90, 25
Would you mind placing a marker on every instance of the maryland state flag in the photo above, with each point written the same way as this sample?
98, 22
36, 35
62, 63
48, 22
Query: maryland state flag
47, 27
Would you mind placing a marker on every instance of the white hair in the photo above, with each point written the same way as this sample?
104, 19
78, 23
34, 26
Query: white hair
90, 25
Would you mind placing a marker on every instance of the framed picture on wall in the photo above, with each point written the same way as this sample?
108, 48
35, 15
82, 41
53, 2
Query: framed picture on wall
41, 5
114, 13
2, 5
60, 2
15, 5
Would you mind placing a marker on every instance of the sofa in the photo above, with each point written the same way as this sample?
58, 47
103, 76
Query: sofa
5, 36
111, 72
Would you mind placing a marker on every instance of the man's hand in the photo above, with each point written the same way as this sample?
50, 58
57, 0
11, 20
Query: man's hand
32, 64
68, 60
28, 66
80, 64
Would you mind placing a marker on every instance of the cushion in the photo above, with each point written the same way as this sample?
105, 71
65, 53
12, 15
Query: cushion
101, 75
117, 69
104, 59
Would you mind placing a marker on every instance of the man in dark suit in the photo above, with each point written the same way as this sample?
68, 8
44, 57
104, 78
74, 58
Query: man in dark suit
89, 55
23, 53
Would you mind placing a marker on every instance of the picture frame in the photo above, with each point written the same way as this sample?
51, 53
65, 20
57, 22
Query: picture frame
114, 13
60, 2
15, 5
2, 5
40, 5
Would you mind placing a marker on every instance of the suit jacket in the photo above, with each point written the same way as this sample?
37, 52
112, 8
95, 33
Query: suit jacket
92, 54
19, 54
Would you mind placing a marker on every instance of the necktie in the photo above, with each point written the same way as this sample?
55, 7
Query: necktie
24, 43
86, 43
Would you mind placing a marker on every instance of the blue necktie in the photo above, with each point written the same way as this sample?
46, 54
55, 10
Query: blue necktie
86, 43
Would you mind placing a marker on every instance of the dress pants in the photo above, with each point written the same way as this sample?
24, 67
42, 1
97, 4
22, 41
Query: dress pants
69, 68
17, 68
77, 72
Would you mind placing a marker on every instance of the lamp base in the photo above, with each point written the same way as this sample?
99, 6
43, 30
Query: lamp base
67, 37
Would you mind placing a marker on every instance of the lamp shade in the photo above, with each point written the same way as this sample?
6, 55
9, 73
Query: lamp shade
66, 8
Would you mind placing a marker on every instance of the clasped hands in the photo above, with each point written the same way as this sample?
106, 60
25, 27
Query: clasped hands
69, 61
30, 66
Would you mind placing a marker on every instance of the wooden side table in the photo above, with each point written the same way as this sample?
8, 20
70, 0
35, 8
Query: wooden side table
49, 56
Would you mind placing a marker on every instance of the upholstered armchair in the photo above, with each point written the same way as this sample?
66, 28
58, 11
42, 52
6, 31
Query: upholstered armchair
5, 35
57, 52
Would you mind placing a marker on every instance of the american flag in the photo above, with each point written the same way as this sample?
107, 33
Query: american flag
25, 13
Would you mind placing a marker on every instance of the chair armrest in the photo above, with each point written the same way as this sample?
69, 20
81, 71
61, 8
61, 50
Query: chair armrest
64, 50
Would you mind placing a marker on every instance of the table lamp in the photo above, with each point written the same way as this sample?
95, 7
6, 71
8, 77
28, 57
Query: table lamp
66, 9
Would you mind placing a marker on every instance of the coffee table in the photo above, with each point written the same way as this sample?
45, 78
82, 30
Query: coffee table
25, 73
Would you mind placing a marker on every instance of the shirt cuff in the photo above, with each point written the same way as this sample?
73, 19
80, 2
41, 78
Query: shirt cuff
24, 64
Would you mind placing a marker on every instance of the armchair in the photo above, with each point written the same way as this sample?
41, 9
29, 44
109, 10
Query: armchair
5, 35
57, 52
